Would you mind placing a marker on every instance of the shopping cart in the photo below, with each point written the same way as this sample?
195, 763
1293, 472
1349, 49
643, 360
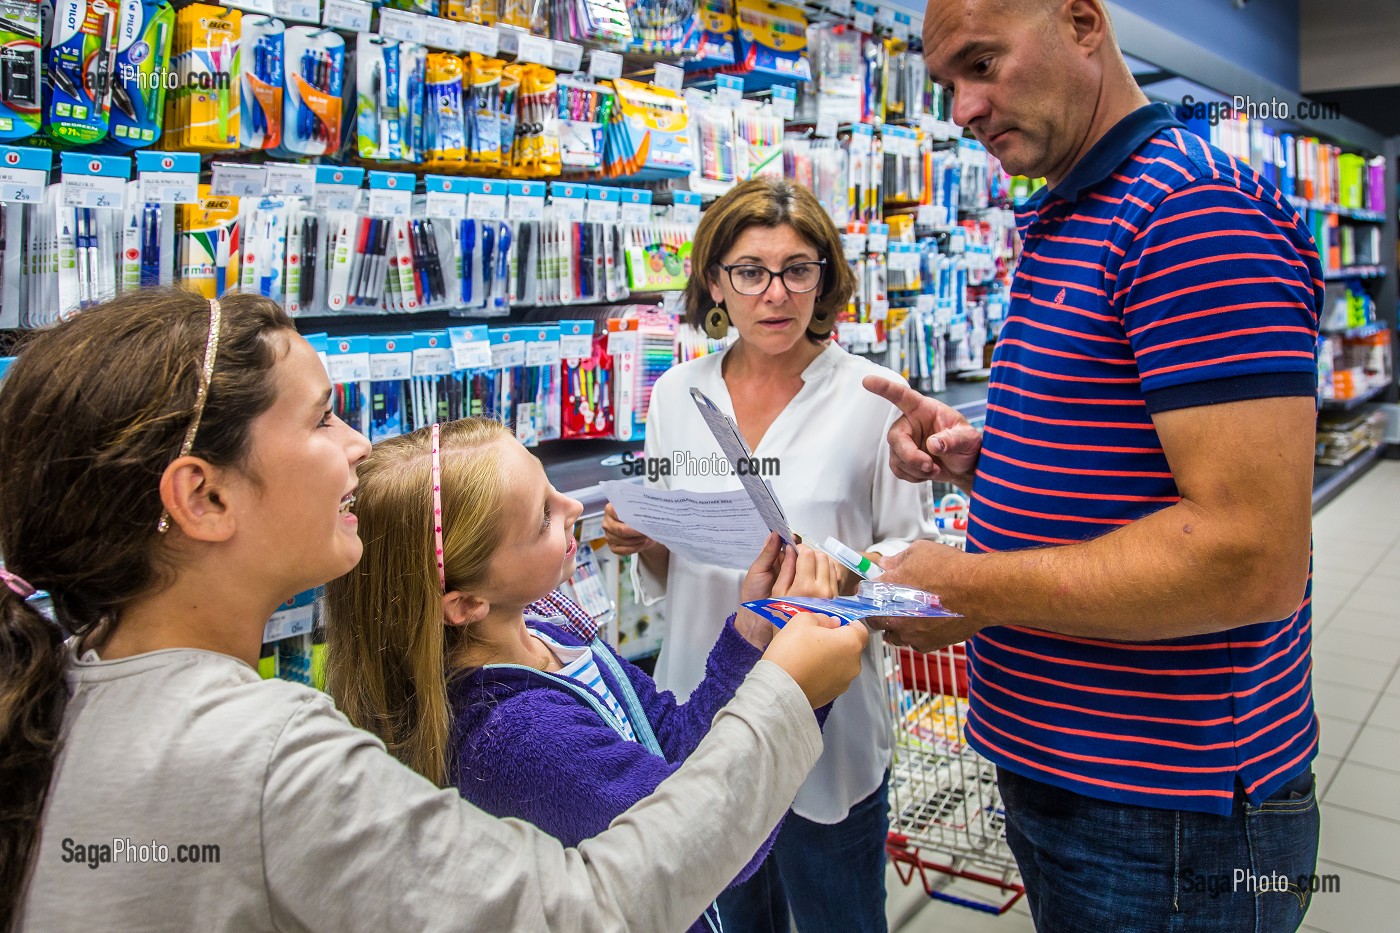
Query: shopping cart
946, 818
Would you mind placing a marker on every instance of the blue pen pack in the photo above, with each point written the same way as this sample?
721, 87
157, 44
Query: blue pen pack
347, 365
312, 106
21, 69
537, 406
144, 34
871, 600
82, 65
262, 80
389, 105
390, 372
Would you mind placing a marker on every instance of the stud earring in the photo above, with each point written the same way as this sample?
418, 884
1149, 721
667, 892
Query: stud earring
717, 322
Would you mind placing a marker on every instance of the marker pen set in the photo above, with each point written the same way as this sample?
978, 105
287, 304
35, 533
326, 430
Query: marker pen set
584, 108
648, 133
732, 142
587, 379
770, 44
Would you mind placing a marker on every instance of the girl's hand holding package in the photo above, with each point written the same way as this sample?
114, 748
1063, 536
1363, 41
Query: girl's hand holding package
780, 571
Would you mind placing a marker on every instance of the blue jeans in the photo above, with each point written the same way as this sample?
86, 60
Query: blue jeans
825, 877
1095, 865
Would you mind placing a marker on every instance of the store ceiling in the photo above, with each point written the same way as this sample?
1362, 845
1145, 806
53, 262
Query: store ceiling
1347, 55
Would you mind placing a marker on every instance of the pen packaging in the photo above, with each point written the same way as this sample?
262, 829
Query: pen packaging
144, 34
82, 62
313, 106
21, 69
262, 77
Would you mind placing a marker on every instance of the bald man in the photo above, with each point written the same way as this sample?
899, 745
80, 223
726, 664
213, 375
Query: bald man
1136, 583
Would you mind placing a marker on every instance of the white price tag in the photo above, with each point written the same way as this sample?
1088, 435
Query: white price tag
448, 205
307, 11
932, 215
668, 77
570, 210
542, 353
21, 185
480, 39
839, 7
622, 342
885, 16
635, 213
384, 202
729, 92
474, 355
297, 181
826, 125
868, 333
605, 64
508, 39
523, 207
506, 355
251, 6
536, 49
403, 26
864, 22
685, 213
784, 103
853, 244
285, 623
93, 191
568, 56
877, 243
335, 198
929, 123
575, 346
386, 366
169, 187
486, 206
602, 212
237, 181
448, 35
350, 15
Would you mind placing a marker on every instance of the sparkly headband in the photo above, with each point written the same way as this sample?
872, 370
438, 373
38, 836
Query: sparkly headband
17, 584
437, 504
211, 353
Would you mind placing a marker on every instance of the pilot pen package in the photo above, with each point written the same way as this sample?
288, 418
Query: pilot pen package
315, 80
262, 77
82, 66
21, 69
144, 35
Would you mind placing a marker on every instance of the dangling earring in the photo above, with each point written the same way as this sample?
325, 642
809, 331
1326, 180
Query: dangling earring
717, 322
823, 322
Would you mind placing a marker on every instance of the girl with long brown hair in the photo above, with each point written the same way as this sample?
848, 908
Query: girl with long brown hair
170, 472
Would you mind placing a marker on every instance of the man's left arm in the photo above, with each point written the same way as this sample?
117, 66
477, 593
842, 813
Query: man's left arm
1233, 551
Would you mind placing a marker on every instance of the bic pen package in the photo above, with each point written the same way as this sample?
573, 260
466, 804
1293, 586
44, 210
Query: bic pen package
82, 65
144, 35
203, 107
208, 244
21, 69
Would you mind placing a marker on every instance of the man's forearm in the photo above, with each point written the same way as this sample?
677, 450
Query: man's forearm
1174, 573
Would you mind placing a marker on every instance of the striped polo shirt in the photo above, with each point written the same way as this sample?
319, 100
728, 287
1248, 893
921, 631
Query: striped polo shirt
1160, 274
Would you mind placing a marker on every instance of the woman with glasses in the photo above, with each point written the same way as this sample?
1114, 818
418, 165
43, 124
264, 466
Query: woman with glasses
768, 263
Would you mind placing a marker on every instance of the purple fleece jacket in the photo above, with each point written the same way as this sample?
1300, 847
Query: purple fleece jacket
526, 747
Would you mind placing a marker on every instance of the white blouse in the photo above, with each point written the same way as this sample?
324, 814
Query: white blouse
835, 480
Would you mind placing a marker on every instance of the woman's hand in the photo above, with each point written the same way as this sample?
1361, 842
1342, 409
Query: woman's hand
815, 575
623, 539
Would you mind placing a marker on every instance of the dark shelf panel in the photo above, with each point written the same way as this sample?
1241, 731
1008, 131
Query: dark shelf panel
1350, 403
1328, 482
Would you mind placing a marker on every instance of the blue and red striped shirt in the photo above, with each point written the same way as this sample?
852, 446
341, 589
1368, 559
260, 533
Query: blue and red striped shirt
1160, 274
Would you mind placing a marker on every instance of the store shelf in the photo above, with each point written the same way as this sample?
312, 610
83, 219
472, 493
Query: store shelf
1351, 213
1347, 404
1355, 272
1328, 482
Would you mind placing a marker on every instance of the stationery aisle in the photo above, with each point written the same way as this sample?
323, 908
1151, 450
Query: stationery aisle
489, 210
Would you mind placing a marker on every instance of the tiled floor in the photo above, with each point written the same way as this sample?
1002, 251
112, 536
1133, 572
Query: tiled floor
1356, 673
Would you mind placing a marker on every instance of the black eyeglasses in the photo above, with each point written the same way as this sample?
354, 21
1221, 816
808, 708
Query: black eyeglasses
798, 278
